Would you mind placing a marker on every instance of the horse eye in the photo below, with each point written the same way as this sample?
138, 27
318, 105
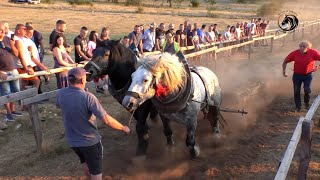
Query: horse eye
145, 80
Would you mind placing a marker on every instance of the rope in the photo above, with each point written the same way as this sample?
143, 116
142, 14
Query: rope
131, 118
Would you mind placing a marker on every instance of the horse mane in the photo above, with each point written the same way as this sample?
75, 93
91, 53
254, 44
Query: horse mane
167, 70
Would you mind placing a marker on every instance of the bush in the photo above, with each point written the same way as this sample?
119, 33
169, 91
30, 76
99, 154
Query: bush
210, 12
195, 3
133, 2
212, 2
80, 2
140, 9
269, 9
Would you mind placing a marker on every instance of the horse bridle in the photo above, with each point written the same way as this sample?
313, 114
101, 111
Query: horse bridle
139, 95
96, 66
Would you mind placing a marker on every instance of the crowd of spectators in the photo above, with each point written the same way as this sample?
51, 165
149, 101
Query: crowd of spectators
22, 50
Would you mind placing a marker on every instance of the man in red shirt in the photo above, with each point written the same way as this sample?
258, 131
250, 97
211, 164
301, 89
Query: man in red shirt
304, 64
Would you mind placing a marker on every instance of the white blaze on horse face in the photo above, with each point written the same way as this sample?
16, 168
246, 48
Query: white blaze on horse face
142, 81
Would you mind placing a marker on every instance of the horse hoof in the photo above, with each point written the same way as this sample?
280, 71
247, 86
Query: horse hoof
195, 152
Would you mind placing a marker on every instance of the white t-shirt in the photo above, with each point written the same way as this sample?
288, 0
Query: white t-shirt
211, 36
91, 46
25, 43
238, 33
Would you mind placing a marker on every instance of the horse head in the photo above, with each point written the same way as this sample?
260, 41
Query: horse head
159, 75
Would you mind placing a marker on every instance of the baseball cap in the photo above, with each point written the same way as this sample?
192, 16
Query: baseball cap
77, 72
153, 24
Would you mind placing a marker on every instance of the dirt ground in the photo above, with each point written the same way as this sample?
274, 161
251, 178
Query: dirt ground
251, 146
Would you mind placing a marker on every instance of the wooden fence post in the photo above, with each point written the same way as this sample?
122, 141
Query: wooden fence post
34, 116
305, 149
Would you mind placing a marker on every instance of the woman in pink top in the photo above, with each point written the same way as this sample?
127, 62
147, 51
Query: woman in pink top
92, 43
61, 59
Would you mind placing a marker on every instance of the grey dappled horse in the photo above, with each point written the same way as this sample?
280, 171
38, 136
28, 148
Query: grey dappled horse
163, 78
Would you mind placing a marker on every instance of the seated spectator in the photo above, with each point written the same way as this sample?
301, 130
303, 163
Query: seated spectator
61, 59
125, 41
80, 44
92, 43
7, 68
105, 32
149, 38
170, 45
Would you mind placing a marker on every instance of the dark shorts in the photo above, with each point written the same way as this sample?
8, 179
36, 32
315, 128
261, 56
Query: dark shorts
92, 156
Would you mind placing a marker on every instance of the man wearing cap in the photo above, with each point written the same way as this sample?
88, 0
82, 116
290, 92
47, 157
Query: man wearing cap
170, 45
149, 38
77, 107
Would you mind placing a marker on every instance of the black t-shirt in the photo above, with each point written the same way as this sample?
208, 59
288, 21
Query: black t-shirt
82, 42
6, 58
37, 38
53, 36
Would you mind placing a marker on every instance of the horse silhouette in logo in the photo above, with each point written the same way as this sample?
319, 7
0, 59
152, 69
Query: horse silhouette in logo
289, 23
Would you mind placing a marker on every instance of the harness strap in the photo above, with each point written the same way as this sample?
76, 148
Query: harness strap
206, 107
95, 65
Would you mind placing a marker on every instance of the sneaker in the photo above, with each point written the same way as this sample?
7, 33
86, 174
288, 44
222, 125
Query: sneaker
8, 118
3, 125
15, 113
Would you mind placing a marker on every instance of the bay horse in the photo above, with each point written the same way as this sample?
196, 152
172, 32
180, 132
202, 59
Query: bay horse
118, 62
164, 79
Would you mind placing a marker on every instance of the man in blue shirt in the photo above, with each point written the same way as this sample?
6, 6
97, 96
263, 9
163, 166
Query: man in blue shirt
77, 107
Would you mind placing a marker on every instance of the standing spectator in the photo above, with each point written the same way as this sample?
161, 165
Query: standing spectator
7, 50
160, 36
215, 29
38, 40
135, 42
125, 41
81, 131
26, 62
142, 29
61, 59
35, 55
61, 27
170, 45
233, 33
189, 35
186, 24
203, 39
8, 32
181, 36
92, 43
80, 44
149, 38
105, 34
195, 40
238, 33
210, 35
227, 34
171, 30
304, 64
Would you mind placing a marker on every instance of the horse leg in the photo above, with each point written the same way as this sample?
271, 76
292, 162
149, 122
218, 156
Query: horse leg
167, 130
190, 141
142, 128
213, 118
153, 113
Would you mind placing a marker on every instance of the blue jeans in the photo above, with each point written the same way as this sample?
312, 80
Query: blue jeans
297, 80
9, 87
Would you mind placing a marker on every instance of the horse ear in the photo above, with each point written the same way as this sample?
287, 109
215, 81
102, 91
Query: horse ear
102, 43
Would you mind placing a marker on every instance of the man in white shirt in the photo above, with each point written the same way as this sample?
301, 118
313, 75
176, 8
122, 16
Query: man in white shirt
149, 38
